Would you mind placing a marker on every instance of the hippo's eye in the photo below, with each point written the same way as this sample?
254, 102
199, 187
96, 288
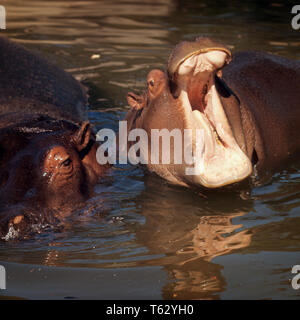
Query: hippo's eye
151, 83
67, 162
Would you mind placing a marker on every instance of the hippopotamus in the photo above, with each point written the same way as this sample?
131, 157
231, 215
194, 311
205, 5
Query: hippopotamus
47, 146
246, 107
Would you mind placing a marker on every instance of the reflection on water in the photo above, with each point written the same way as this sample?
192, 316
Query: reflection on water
136, 227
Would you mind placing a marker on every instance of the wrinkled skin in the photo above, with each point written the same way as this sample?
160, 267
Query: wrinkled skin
248, 112
48, 161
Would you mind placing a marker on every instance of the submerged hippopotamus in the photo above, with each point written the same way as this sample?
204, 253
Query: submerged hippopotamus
248, 113
47, 149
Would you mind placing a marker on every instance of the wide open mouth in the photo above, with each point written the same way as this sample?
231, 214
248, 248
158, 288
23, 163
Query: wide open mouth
219, 161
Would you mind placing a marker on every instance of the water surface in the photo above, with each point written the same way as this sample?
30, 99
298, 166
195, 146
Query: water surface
140, 238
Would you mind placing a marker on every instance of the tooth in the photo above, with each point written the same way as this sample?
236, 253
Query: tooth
218, 138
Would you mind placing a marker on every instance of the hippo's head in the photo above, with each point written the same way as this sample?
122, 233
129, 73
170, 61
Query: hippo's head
187, 97
48, 162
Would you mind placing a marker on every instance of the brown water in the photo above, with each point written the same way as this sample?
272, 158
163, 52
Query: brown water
145, 239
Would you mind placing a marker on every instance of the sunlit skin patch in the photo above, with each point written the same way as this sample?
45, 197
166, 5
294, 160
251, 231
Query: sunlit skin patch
18, 219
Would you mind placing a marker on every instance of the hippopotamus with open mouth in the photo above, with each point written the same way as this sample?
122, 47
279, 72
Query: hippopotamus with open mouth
248, 113
48, 160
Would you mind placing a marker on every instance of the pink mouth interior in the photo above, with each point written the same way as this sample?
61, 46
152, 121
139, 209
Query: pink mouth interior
221, 162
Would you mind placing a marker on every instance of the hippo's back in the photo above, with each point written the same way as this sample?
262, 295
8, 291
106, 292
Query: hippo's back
268, 88
30, 84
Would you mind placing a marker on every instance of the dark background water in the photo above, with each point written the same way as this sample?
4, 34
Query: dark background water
141, 238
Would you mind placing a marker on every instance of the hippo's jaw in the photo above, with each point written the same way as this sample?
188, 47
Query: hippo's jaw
218, 160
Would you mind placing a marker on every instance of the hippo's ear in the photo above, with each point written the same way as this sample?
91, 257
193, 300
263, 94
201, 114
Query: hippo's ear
135, 101
82, 136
